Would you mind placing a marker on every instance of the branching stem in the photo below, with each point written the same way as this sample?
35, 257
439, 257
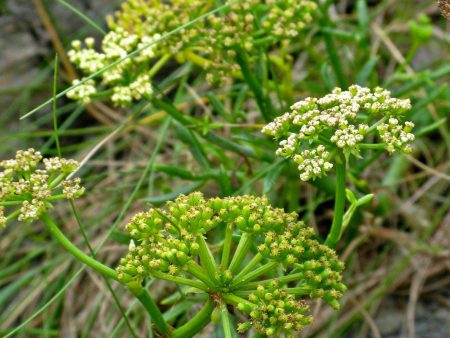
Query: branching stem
242, 249
335, 231
227, 246
255, 273
180, 280
206, 258
106, 271
80, 255
196, 324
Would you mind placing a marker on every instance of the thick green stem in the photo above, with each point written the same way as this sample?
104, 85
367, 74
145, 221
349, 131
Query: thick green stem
56, 197
180, 280
234, 300
10, 203
255, 274
242, 249
299, 291
57, 181
196, 324
158, 65
372, 146
226, 322
335, 231
200, 273
281, 280
206, 258
227, 246
153, 310
196, 59
80, 255
258, 257
263, 101
106, 271
12, 216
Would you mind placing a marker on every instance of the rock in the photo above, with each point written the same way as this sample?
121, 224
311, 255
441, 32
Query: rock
25, 41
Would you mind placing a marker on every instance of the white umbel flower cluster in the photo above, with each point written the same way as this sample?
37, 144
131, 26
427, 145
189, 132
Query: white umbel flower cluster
72, 188
339, 122
313, 163
349, 136
30, 211
83, 91
55, 164
87, 59
29, 191
396, 136
126, 78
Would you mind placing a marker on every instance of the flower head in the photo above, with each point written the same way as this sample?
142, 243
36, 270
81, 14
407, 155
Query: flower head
316, 129
173, 242
276, 311
211, 43
129, 79
28, 188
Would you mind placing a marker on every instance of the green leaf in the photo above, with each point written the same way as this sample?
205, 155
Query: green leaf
177, 310
272, 177
196, 149
367, 69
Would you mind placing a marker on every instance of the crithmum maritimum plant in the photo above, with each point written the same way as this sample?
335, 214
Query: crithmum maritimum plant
320, 134
268, 264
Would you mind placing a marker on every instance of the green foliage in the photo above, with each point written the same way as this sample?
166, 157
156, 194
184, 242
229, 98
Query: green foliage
196, 81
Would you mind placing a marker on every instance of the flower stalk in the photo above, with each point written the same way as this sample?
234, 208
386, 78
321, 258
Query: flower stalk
227, 247
196, 324
149, 304
262, 270
339, 204
245, 243
207, 259
77, 253
139, 292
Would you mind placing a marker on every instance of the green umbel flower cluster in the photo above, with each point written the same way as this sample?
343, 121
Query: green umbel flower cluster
276, 253
212, 43
319, 128
275, 311
27, 191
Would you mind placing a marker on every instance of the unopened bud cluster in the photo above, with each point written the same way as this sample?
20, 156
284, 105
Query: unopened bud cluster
169, 240
317, 265
275, 311
27, 187
252, 24
318, 127
210, 43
